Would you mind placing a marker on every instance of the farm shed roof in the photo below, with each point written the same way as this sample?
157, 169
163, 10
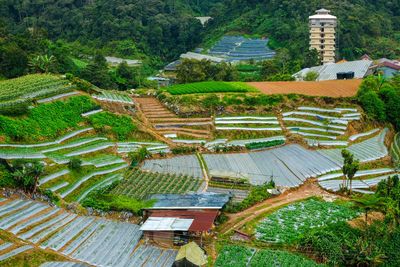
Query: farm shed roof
202, 220
115, 60
228, 174
193, 253
172, 66
329, 70
166, 224
203, 200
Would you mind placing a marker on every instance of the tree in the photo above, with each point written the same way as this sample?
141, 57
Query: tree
311, 76
27, 175
368, 203
190, 70
41, 63
350, 166
268, 69
373, 105
97, 73
311, 58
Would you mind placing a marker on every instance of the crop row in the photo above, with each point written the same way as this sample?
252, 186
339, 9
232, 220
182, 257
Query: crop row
31, 86
209, 87
266, 144
286, 224
141, 185
395, 148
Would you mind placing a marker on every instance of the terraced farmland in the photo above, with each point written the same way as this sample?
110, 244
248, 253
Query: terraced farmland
290, 222
319, 125
209, 87
19, 90
113, 97
235, 255
142, 185
368, 150
166, 123
182, 165
91, 240
363, 180
289, 165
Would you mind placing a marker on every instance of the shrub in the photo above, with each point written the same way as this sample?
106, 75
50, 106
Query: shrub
266, 144
75, 164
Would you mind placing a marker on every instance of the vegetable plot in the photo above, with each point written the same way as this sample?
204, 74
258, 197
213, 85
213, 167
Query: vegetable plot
234, 255
288, 223
141, 185
268, 257
210, 87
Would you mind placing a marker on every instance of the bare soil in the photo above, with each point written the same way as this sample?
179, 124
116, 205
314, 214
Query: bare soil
333, 88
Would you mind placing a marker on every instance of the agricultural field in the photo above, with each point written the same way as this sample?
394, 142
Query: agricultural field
334, 88
91, 240
288, 223
363, 182
113, 97
209, 87
142, 185
20, 90
235, 255
47, 120
169, 124
318, 124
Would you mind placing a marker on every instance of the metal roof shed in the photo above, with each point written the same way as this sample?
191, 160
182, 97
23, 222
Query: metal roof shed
166, 224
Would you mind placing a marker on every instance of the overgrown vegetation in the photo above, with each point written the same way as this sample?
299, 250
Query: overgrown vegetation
380, 99
257, 194
103, 200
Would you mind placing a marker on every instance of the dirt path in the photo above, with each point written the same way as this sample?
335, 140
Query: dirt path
203, 167
309, 189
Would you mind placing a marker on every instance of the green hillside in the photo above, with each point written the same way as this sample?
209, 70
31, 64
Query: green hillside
364, 26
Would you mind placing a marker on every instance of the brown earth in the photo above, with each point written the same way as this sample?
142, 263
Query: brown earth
155, 113
332, 88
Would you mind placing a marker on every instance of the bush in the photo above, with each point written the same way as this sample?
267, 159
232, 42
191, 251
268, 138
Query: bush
373, 105
75, 164
257, 194
266, 144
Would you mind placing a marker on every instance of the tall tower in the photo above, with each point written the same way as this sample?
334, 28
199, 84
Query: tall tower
322, 34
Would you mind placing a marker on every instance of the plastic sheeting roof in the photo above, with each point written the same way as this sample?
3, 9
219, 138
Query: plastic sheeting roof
197, 56
166, 224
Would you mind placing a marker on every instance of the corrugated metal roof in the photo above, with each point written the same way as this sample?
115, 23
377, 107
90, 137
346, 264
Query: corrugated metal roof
203, 220
203, 200
166, 224
329, 70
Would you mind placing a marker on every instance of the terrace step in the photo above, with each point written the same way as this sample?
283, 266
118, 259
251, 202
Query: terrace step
179, 119
174, 130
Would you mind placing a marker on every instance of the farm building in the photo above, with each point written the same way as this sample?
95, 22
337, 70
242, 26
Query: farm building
330, 71
386, 67
160, 80
190, 255
176, 219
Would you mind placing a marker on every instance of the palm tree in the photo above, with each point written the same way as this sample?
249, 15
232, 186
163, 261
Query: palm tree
28, 176
350, 166
41, 63
368, 203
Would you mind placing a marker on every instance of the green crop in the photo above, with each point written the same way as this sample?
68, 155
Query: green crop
210, 87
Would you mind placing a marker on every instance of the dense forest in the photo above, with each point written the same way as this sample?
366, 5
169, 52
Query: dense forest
365, 26
162, 28
158, 31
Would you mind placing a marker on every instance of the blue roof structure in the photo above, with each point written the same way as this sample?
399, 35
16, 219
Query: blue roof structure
203, 200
